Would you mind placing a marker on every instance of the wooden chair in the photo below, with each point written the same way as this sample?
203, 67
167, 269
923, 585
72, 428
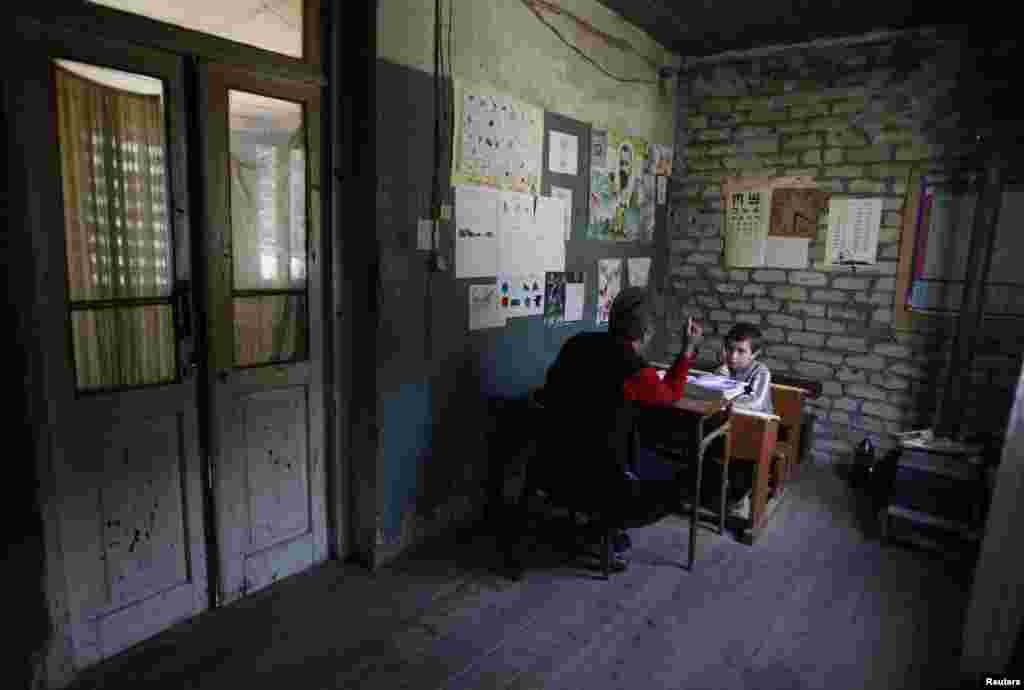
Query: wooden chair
751, 439
558, 479
788, 403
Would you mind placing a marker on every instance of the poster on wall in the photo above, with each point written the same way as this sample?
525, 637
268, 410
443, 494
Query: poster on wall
853, 226
484, 310
476, 232
563, 153
566, 196
563, 297
747, 202
574, 296
498, 140
554, 298
521, 295
622, 195
549, 233
639, 270
609, 284
661, 160
516, 234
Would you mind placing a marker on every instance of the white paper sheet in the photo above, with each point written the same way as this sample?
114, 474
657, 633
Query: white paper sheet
639, 270
609, 284
566, 194
563, 153
517, 234
549, 242
483, 307
662, 190
786, 252
574, 294
853, 230
521, 295
500, 142
476, 232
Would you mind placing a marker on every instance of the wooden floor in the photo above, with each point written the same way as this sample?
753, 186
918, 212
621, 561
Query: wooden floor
814, 604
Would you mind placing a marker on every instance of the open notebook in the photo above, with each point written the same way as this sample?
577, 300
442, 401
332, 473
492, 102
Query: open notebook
713, 387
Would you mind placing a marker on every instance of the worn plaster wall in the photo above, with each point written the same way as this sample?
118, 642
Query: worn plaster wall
856, 117
433, 375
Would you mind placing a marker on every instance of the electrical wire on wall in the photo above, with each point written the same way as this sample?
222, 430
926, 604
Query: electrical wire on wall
444, 128
540, 6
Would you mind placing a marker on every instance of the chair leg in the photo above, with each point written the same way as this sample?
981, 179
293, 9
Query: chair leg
606, 547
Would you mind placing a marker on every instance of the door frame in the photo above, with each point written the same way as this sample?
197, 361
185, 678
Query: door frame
113, 26
215, 81
42, 328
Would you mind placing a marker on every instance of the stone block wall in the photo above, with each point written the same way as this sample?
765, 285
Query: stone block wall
858, 119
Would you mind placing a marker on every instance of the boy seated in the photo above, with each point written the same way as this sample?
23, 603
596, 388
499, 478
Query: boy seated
739, 362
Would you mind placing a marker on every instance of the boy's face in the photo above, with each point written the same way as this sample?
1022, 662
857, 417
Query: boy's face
738, 355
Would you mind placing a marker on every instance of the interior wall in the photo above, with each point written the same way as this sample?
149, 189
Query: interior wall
857, 118
433, 375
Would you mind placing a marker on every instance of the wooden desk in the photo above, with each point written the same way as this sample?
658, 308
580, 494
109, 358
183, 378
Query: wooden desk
683, 431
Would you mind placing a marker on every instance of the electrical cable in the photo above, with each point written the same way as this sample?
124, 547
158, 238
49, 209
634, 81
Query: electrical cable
533, 8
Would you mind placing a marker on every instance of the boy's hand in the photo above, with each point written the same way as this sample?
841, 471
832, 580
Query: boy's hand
694, 331
694, 335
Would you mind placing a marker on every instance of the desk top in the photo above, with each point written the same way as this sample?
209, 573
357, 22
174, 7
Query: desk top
703, 408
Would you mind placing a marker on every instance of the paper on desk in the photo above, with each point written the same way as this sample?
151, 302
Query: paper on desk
476, 232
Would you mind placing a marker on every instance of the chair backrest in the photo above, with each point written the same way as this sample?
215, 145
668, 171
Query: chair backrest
583, 444
788, 403
747, 431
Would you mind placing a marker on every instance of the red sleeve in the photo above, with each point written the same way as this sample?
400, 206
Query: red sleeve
645, 386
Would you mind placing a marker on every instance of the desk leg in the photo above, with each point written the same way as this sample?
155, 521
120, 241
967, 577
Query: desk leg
695, 501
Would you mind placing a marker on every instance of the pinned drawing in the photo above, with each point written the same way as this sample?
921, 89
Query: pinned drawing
521, 295
661, 160
499, 140
639, 270
554, 298
484, 311
609, 284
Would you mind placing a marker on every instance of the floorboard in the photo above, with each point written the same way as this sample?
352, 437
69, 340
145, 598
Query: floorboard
817, 602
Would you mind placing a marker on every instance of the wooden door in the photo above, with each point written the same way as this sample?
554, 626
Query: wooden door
99, 132
261, 141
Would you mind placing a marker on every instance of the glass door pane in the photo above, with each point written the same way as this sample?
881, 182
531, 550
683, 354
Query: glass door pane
113, 157
267, 167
